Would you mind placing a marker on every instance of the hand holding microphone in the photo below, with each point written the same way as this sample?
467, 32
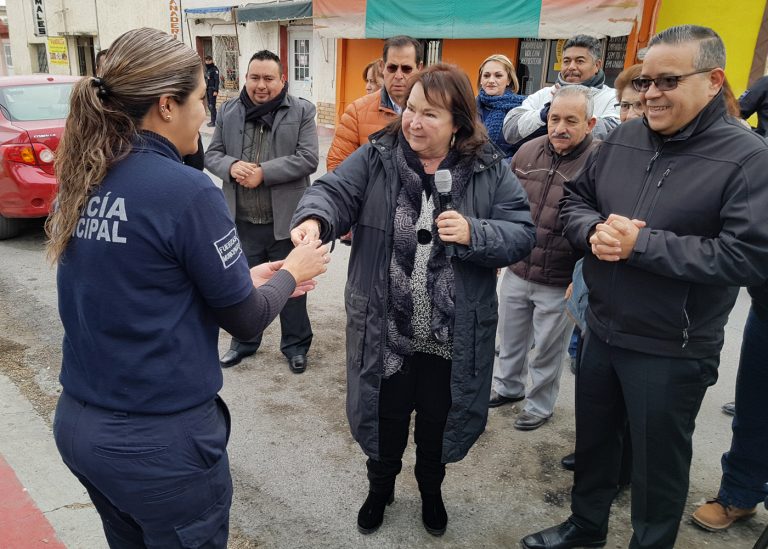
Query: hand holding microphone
452, 227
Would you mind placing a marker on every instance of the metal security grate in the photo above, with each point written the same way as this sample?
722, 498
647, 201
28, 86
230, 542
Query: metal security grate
42, 58
301, 60
225, 55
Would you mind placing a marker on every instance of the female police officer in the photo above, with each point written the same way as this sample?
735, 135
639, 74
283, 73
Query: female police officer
149, 267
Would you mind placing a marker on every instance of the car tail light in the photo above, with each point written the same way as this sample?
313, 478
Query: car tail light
35, 154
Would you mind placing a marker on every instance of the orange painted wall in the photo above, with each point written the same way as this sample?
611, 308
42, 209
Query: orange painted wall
468, 54
352, 56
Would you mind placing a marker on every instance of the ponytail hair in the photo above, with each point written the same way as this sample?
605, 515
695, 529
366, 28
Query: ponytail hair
105, 115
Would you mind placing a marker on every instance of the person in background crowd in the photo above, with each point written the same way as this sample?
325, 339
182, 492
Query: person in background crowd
372, 76
264, 149
582, 64
212, 83
745, 468
755, 100
421, 291
149, 267
532, 292
403, 58
663, 274
498, 85
630, 107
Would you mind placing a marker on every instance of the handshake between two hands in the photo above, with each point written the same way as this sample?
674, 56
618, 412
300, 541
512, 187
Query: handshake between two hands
614, 239
306, 261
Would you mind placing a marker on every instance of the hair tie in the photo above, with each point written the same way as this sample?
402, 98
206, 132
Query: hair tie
99, 83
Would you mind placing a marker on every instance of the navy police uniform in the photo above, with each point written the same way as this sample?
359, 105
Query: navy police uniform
139, 421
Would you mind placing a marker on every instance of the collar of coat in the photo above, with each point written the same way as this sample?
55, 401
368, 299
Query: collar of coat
489, 155
713, 111
575, 153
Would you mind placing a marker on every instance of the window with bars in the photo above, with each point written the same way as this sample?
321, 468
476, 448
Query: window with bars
433, 52
301, 60
41, 55
225, 56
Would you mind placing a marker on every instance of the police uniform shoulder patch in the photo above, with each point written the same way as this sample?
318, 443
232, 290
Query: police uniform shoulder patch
228, 248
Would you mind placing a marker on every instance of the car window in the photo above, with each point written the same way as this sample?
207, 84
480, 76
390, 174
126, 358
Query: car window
36, 102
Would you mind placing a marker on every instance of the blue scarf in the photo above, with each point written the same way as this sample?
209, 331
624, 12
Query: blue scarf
493, 109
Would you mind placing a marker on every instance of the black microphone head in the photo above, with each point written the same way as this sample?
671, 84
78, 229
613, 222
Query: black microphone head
443, 181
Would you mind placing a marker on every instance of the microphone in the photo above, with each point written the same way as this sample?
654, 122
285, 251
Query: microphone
443, 184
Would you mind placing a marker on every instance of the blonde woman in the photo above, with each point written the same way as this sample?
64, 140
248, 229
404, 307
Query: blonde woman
498, 85
149, 267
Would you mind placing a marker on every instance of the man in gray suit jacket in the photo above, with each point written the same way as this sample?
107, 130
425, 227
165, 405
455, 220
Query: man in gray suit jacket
264, 148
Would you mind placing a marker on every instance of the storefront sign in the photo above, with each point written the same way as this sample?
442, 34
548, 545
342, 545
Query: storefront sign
57, 51
175, 19
531, 64
38, 17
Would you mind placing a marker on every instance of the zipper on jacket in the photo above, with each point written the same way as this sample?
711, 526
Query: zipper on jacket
650, 209
645, 188
686, 319
261, 139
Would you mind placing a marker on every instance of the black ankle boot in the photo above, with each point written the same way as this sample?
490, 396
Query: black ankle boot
371, 514
433, 514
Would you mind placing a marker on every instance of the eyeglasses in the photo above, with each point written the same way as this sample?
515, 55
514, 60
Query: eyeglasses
636, 106
663, 83
392, 68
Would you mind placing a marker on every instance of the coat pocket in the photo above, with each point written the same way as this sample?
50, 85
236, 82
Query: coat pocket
486, 318
357, 311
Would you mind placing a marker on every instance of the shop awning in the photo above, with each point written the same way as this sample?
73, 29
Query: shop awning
275, 11
465, 19
223, 13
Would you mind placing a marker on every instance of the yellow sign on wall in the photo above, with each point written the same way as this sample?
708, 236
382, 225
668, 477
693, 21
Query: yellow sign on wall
57, 51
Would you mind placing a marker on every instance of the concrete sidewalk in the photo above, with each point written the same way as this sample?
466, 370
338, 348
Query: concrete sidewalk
38, 494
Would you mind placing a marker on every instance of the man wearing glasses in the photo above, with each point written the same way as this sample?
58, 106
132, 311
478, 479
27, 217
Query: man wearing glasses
582, 64
670, 211
402, 60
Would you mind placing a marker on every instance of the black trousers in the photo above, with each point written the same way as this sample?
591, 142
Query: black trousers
211, 104
660, 397
424, 385
259, 246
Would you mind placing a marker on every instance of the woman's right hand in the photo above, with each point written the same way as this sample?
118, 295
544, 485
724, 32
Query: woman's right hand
309, 229
307, 260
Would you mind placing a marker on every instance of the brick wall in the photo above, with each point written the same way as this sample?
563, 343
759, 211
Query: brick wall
326, 114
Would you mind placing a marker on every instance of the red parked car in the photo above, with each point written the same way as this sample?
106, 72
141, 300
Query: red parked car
32, 113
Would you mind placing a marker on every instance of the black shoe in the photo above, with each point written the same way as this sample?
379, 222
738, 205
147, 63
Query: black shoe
563, 536
497, 400
371, 514
569, 462
233, 357
211, 124
528, 422
433, 514
297, 364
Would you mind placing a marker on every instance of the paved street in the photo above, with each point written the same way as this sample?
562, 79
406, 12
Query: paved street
299, 477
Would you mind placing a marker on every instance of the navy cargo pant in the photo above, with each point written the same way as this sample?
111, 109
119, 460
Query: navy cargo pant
157, 481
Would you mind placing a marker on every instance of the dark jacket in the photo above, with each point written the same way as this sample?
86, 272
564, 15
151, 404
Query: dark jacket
542, 172
363, 191
292, 155
755, 100
212, 80
703, 195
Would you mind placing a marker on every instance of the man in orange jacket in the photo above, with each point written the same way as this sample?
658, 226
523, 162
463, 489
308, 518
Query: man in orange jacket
402, 61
